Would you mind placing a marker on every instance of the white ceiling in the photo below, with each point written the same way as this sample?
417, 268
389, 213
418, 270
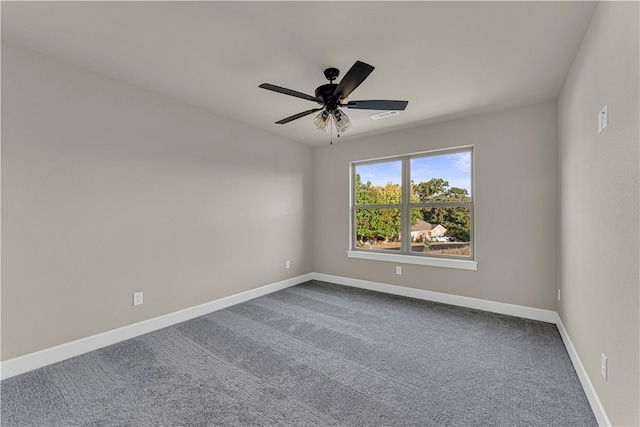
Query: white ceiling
448, 59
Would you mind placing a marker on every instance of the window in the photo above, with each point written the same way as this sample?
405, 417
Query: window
427, 197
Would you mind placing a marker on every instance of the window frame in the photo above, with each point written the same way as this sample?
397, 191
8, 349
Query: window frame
405, 255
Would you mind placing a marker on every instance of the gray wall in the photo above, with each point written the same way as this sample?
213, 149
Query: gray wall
515, 210
599, 207
108, 189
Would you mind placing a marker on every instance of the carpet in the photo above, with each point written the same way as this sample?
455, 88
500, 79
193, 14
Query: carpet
316, 354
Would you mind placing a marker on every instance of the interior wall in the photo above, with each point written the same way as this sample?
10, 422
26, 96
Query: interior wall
599, 207
515, 206
108, 189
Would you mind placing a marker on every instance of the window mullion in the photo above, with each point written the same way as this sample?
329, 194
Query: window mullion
405, 213
387, 206
442, 205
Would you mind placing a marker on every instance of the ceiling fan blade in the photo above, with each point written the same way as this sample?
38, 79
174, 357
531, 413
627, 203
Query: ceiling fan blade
290, 92
356, 75
377, 105
297, 116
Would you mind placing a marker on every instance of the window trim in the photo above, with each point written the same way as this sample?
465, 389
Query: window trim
434, 261
406, 257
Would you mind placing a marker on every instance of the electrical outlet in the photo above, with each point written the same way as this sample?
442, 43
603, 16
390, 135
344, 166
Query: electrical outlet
287, 264
137, 298
603, 366
398, 270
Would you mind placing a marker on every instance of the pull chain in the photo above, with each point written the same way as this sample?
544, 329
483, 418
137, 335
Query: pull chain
330, 122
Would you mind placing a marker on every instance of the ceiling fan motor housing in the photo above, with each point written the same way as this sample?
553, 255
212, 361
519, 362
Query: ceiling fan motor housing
325, 92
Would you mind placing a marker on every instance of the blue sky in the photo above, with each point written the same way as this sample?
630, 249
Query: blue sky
455, 168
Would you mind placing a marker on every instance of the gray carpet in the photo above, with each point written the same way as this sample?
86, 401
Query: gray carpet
315, 354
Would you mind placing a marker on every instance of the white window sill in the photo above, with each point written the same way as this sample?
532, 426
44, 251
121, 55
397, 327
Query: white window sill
411, 259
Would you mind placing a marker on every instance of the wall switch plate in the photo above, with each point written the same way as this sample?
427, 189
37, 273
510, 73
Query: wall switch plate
287, 264
603, 118
558, 294
398, 270
137, 298
603, 366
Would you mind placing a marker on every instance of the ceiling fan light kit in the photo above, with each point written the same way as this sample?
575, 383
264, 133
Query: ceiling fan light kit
341, 120
338, 117
331, 96
322, 121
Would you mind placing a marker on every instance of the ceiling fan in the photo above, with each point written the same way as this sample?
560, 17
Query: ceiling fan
333, 97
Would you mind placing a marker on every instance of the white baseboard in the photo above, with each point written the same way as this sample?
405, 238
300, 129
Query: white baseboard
548, 316
39, 359
592, 396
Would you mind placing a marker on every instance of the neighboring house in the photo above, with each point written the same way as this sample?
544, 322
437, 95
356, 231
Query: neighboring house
423, 229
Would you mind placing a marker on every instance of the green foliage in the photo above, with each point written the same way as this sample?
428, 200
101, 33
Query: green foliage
374, 223
384, 223
457, 221
438, 190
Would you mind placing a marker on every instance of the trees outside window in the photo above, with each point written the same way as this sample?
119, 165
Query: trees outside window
426, 196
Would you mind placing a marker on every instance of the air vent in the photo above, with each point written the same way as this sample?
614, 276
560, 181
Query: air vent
384, 115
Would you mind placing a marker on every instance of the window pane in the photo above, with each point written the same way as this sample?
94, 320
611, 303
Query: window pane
378, 229
440, 204
379, 183
441, 178
444, 231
